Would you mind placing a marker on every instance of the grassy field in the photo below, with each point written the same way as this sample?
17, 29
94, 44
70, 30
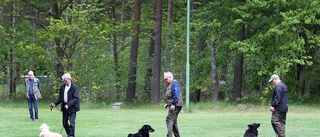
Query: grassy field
202, 120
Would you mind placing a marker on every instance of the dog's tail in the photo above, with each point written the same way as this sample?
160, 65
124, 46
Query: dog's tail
130, 135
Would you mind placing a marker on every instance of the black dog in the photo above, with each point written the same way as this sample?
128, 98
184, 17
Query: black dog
252, 131
143, 132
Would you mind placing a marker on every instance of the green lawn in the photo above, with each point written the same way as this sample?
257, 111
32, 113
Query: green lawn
203, 120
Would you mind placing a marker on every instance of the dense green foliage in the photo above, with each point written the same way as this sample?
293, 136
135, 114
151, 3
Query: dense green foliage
91, 39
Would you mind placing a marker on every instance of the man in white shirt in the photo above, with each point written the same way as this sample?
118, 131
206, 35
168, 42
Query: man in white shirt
69, 99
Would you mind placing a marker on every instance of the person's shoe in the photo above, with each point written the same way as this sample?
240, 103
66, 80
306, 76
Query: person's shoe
36, 120
31, 120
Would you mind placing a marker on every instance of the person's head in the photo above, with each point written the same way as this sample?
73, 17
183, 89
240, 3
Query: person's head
66, 78
275, 79
168, 77
31, 74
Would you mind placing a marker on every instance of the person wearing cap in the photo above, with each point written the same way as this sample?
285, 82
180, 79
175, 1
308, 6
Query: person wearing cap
69, 99
174, 103
279, 106
32, 85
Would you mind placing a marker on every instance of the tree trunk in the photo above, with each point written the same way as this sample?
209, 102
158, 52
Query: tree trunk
214, 76
170, 16
148, 76
168, 41
12, 83
115, 52
59, 50
123, 19
157, 55
3, 64
238, 70
12, 73
131, 89
201, 43
1, 18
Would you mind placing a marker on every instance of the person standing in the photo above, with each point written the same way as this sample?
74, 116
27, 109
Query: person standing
32, 85
279, 106
174, 103
70, 104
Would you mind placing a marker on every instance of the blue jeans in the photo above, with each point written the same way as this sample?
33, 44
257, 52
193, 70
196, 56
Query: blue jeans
33, 104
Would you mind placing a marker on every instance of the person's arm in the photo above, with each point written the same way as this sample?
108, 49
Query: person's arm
277, 97
38, 84
58, 100
25, 84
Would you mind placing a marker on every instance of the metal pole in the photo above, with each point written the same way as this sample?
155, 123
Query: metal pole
188, 65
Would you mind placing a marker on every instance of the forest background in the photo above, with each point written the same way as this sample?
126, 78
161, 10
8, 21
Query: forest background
117, 50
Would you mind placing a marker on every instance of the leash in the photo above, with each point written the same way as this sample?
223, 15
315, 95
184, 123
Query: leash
62, 126
61, 130
58, 110
53, 107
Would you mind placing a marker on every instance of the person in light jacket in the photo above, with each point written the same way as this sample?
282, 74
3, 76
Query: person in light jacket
32, 85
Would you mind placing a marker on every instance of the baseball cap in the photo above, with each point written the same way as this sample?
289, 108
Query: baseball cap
274, 76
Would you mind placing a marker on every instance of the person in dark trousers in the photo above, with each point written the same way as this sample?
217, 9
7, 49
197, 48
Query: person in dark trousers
174, 103
33, 94
70, 104
279, 106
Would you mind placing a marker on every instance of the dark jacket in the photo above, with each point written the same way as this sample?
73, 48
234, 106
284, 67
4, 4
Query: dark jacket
73, 98
279, 98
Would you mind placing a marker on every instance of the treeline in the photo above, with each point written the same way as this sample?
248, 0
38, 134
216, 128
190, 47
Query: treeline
117, 50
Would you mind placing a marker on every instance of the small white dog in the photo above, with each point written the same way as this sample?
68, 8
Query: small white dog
45, 132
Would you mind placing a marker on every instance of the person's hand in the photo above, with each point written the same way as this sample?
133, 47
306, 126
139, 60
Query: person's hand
172, 107
52, 104
272, 109
66, 106
165, 105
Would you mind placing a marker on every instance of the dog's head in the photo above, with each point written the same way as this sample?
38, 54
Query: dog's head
44, 127
254, 125
252, 131
147, 128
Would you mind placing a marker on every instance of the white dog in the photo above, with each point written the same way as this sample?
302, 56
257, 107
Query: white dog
45, 132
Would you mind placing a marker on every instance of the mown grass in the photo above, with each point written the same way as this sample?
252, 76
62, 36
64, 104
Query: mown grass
202, 120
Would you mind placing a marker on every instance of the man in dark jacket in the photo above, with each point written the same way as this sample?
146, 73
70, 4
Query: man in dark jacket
279, 106
69, 99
